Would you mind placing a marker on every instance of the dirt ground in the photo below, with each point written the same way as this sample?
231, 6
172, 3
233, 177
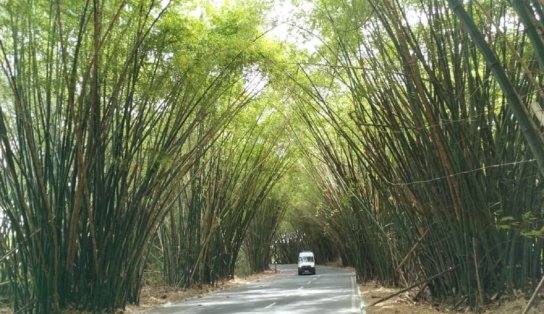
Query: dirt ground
153, 296
403, 303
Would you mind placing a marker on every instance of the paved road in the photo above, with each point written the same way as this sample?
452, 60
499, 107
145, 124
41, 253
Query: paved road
331, 290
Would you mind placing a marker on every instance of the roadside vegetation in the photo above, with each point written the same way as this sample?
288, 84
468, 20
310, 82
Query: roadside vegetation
180, 142
426, 171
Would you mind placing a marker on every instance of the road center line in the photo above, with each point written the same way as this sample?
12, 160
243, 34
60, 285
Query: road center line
270, 305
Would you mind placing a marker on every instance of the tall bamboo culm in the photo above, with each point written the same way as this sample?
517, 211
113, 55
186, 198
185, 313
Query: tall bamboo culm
261, 232
94, 135
422, 161
227, 194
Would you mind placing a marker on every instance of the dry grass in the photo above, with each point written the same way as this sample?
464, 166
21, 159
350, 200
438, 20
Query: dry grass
156, 295
4, 309
403, 303
372, 292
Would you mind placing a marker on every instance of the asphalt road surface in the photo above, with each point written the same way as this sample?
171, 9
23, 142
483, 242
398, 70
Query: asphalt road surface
331, 290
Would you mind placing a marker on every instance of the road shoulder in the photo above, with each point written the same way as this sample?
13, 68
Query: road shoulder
152, 296
371, 292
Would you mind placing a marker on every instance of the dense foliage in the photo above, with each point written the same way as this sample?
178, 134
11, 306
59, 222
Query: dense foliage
112, 111
428, 172
405, 138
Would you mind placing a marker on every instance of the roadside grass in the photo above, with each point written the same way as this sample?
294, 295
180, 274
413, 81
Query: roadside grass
154, 295
371, 292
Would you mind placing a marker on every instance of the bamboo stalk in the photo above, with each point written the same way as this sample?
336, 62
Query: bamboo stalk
375, 158
476, 268
533, 296
413, 286
413, 248
534, 30
529, 129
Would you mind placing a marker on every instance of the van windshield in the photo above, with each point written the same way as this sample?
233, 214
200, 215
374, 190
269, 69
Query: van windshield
303, 259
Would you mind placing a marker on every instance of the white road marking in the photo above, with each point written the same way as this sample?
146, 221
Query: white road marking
353, 307
270, 305
362, 302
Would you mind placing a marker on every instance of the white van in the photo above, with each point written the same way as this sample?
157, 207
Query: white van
306, 262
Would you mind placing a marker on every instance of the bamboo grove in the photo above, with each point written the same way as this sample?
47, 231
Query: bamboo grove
207, 227
175, 137
427, 172
113, 126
